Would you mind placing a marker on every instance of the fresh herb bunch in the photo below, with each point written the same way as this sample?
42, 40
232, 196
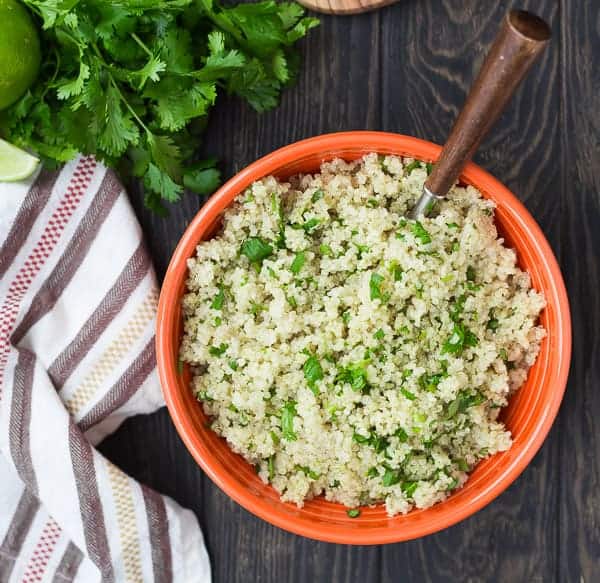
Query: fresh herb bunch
132, 82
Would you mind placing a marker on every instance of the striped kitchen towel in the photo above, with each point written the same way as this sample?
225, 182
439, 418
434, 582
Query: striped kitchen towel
77, 311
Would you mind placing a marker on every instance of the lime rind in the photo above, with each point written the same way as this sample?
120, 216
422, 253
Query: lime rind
15, 164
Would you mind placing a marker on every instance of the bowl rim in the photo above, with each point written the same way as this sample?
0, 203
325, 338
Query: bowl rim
169, 298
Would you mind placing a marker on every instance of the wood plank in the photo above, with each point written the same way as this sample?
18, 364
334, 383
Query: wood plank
579, 490
440, 48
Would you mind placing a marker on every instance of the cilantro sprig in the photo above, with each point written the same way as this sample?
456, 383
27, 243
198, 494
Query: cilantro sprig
132, 82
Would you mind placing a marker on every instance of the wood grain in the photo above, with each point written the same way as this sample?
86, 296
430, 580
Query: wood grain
407, 68
579, 498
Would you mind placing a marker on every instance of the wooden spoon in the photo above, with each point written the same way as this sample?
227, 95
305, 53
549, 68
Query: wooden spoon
521, 39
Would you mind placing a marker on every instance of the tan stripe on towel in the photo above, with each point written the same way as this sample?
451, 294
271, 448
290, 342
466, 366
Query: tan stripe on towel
124, 388
127, 523
114, 353
112, 303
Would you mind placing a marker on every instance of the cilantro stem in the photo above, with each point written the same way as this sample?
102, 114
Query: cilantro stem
138, 40
131, 110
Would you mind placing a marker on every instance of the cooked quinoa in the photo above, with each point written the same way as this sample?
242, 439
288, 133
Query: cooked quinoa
347, 351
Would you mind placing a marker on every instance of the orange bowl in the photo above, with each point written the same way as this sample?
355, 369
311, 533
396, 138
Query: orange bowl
529, 415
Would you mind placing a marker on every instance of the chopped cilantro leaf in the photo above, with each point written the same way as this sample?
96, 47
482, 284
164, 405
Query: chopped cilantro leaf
375, 286
256, 250
408, 488
353, 512
420, 233
288, 412
219, 299
410, 396
317, 195
298, 262
412, 166
313, 372
218, 350
460, 338
391, 477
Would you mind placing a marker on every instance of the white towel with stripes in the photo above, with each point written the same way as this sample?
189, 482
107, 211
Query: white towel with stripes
77, 312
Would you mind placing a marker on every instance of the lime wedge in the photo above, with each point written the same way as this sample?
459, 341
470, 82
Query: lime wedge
15, 164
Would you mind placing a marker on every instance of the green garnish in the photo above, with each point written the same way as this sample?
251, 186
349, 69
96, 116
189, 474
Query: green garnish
310, 225
274, 437
317, 195
412, 166
375, 286
271, 466
346, 317
409, 488
429, 168
452, 225
410, 396
353, 513
430, 382
325, 250
460, 339
218, 350
288, 412
471, 273
307, 472
298, 262
355, 375
291, 300
373, 472
493, 323
420, 233
456, 309
463, 401
361, 249
396, 270
463, 466
379, 335
390, 477
401, 435
218, 300
256, 250
313, 373
373, 203
256, 308
503, 354
233, 365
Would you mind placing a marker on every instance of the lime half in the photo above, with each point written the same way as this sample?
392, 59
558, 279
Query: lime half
20, 54
15, 164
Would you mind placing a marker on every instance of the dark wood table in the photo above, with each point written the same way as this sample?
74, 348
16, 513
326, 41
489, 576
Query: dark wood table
406, 69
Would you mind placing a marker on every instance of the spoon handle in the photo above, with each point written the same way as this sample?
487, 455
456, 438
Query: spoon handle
521, 39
